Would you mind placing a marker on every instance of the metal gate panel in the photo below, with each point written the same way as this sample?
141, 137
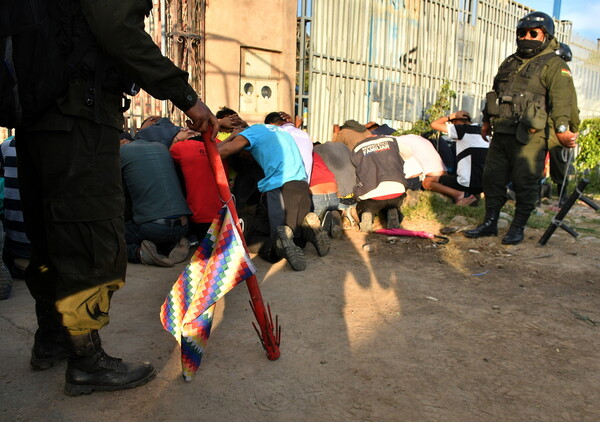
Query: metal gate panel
385, 60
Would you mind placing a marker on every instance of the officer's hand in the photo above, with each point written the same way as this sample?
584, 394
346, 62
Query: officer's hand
486, 130
202, 119
567, 139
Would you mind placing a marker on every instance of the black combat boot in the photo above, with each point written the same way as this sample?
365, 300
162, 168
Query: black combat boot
90, 369
515, 235
489, 227
286, 248
50, 345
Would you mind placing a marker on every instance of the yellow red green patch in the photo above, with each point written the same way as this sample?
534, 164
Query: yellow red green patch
565, 72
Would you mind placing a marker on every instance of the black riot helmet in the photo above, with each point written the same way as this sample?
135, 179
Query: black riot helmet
564, 52
537, 20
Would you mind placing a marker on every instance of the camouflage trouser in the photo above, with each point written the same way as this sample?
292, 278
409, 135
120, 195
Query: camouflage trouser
508, 160
72, 202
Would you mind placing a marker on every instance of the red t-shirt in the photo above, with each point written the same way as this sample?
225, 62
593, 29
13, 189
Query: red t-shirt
202, 195
320, 171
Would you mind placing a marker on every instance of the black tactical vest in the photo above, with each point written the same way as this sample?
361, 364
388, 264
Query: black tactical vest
517, 85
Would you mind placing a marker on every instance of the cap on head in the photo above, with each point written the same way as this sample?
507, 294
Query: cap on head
354, 125
537, 20
564, 51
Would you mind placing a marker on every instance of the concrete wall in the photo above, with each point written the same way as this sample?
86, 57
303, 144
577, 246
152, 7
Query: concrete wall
252, 39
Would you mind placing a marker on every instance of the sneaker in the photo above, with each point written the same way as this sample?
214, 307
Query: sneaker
393, 218
366, 222
287, 249
180, 252
150, 256
326, 221
336, 229
346, 223
313, 233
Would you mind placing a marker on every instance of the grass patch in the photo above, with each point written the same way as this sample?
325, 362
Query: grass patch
434, 206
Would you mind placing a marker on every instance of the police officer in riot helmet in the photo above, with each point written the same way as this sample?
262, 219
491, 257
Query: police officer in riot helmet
530, 41
559, 156
532, 101
564, 52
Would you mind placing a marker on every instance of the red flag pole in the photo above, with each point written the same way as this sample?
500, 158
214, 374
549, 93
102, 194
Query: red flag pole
270, 335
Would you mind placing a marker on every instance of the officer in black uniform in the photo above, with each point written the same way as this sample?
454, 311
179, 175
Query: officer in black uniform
533, 98
70, 181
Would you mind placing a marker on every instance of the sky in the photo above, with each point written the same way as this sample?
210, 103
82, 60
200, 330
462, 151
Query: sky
583, 13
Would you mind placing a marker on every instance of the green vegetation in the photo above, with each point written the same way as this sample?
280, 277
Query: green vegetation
435, 206
438, 109
587, 163
589, 154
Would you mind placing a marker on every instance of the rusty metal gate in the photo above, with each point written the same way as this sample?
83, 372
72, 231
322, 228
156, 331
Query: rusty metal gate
177, 26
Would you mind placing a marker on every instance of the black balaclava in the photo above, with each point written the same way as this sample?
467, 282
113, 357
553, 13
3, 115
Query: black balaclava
527, 49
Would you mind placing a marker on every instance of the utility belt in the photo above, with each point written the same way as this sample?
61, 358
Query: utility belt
172, 222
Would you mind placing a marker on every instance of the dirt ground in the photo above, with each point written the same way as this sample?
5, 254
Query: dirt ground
408, 331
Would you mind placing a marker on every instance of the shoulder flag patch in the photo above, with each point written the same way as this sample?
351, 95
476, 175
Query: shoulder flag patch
566, 72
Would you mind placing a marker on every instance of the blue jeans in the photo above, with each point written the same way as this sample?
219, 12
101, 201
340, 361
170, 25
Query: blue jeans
325, 202
165, 237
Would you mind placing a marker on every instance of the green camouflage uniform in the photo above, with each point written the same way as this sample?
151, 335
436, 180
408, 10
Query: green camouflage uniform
532, 98
559, 154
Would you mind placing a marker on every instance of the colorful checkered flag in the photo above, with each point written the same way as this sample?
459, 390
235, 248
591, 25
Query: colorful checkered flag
218, 265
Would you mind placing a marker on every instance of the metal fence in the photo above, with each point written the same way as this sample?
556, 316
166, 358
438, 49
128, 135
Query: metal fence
385, 60
586, 74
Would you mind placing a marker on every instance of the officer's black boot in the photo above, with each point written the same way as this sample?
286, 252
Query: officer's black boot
489, 227
515, 235
90, 369
50, 345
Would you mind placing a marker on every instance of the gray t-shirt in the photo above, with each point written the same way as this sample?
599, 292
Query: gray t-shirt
337, 157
